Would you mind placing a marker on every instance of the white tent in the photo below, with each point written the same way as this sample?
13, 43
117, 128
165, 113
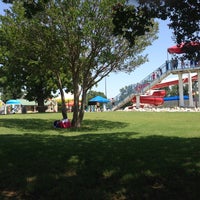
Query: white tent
12, 106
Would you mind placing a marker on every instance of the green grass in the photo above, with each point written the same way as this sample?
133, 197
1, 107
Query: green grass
114, 156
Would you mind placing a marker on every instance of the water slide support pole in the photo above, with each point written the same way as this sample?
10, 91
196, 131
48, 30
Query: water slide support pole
180, 84
191, 103
137, 101
198, 75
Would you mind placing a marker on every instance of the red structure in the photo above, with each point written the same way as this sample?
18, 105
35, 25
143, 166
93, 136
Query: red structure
184, 48
156, 98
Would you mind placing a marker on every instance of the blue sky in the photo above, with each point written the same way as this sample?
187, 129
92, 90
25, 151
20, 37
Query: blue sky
157, 55
3, 6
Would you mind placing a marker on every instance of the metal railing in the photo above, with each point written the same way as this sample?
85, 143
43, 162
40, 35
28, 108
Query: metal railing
148, 82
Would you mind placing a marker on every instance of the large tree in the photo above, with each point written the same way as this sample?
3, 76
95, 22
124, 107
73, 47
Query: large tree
93, 51
28, 53
11, 80
20, 60
85, 47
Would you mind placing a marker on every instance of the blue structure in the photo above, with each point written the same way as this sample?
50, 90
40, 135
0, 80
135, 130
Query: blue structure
13, 102
99, 99
174, 98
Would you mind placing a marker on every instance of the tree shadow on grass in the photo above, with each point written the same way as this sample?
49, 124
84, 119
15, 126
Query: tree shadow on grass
95, 125
27, 124
40, 125
100, 166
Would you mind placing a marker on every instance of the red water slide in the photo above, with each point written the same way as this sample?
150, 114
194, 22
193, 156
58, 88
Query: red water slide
174, 82
150, 100
156, 98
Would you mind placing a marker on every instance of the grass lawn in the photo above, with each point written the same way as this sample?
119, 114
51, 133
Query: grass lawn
114, 156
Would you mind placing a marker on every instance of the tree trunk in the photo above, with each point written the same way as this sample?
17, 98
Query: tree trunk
75, 121
63, 104
64, 108
79, 111
82, 108
41, 106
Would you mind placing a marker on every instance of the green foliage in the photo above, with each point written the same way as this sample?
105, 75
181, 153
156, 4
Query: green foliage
184, 17
28, 55
73, 41
131, 22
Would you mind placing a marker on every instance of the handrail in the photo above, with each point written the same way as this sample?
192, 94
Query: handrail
139, 88
147, 83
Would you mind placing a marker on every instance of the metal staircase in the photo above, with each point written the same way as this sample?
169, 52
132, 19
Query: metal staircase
140, 88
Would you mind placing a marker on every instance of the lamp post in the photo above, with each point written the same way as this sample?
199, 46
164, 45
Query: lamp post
105, 87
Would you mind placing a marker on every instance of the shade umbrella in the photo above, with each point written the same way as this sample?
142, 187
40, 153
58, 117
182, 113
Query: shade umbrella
175, 49
98, 99
13, 102
9, 104
184, 48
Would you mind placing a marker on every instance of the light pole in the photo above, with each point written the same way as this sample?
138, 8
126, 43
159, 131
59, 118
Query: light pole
105, 87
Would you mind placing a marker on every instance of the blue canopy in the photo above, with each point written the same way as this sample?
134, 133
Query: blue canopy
13, 102
99, 99
173, 98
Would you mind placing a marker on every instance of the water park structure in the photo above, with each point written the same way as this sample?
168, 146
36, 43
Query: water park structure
149, 89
